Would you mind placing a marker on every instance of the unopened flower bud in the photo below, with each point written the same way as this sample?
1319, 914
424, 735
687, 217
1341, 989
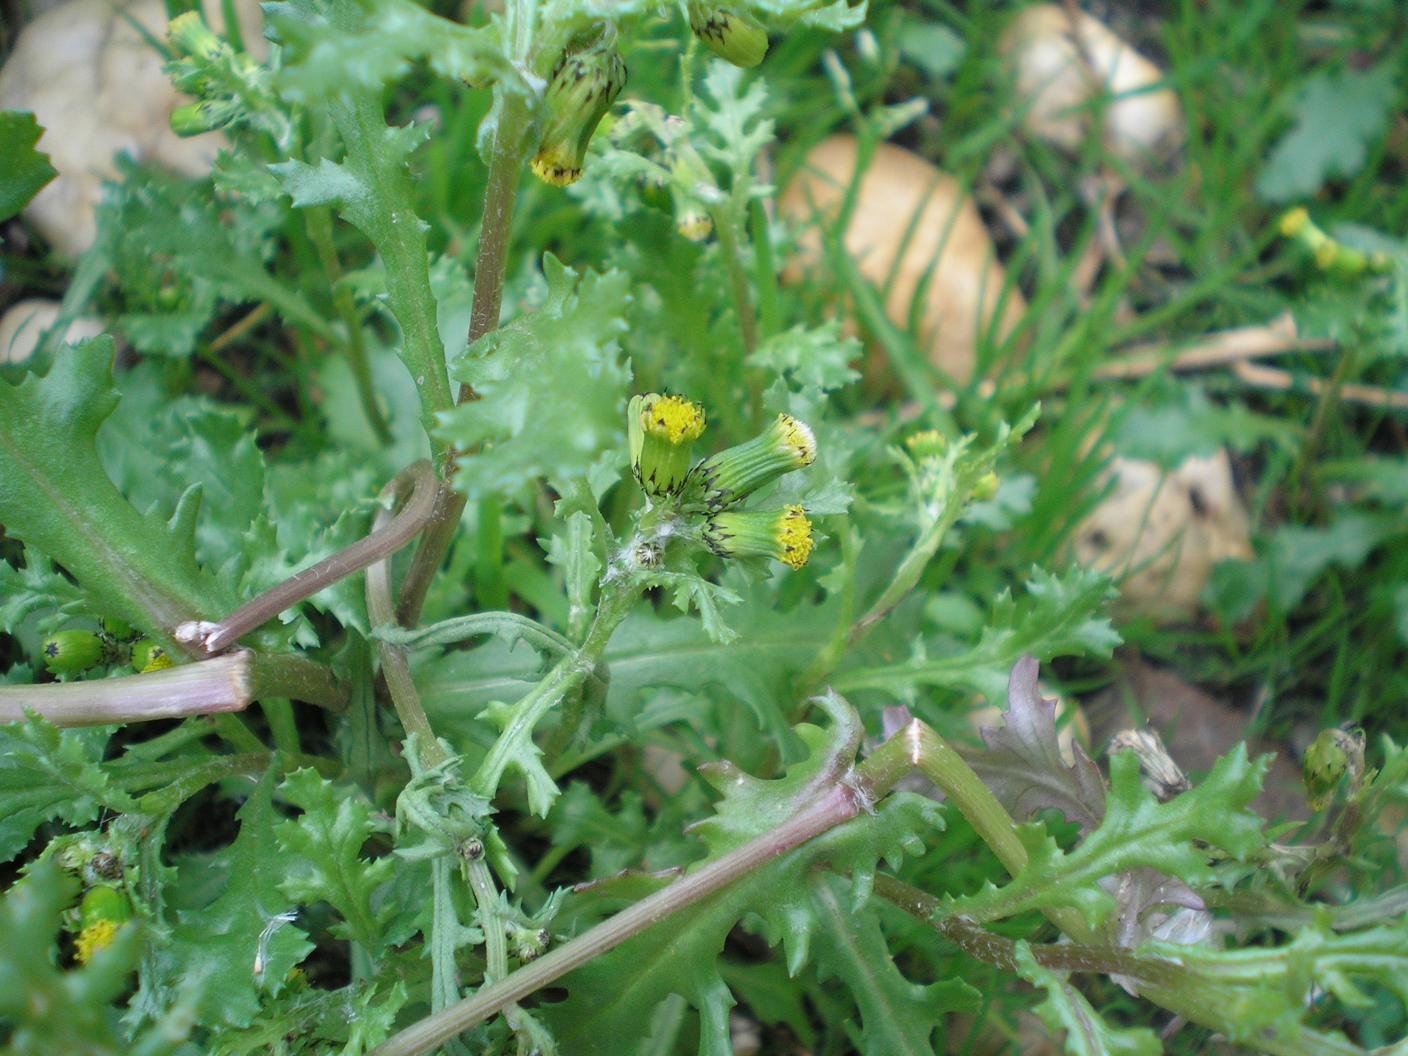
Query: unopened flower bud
1294, 221
117, 629
190, 36
692, 221
584, 84
69, 652
662, 431
986, 487
724, 479
784, 535
194, 119
1333, 754
731, 35
149, 656
1326, 253
927, 443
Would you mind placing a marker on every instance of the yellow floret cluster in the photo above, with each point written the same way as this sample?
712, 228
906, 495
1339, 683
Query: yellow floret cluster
675, 419
794, 532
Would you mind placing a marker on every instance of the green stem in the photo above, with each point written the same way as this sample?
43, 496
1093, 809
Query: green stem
481, 882
728, 224
318, 221
507, 152
906, 577
987, 946
566, 675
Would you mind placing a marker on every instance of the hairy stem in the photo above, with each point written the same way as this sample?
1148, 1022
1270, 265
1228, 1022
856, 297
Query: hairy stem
387, 536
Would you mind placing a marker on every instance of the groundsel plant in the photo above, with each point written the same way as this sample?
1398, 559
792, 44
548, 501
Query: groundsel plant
467, 674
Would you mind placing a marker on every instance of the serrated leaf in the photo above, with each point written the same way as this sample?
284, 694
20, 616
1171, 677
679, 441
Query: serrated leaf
1137, 830
1023, 764
55, 496
47, 774
195, 441
689, 590
26, 170
610, 1000
1066, 1009
349, 1021
242, 945
1337, 116
1266, 985
177, 251
345, 44
323, 860
817, 360
898, 1018
552, 387
730, 111
36, 587
1061, 615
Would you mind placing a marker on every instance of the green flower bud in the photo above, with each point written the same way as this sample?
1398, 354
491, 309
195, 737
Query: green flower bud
149, 656
1329, 254
195, 119
986, 487
103, 902
1332, 754
692, 221
69, 652
732, 475
527, 943
784, 535
118, 630
584, 84
190, 36
662, 431
731, 35
927, 443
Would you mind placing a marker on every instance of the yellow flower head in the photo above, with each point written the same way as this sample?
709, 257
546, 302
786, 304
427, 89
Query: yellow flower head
96, 936
794, 532
784, 535
673, 419
662, 431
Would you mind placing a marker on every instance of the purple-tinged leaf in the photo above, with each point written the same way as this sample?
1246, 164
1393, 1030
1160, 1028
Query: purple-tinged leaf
1023, 764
